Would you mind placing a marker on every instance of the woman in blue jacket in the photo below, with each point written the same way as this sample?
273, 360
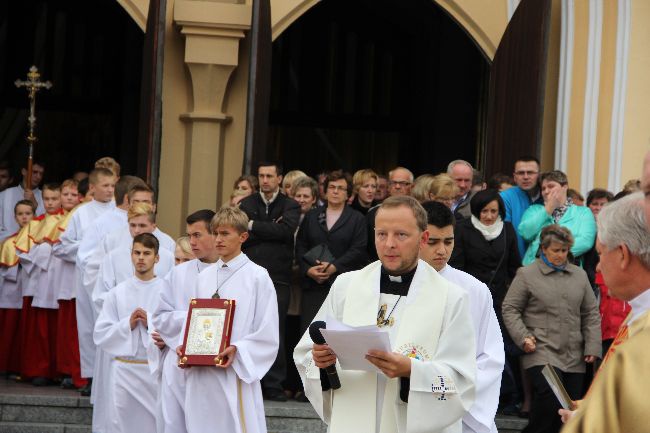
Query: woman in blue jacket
557, 209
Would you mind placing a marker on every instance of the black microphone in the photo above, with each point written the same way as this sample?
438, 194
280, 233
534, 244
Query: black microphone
317, 337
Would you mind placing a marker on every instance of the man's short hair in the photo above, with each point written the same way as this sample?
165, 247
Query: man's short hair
335, 175
438, 214
147, 240
70, 183
124, 185
276, 164
35, 161
407, 201
93, 177
4, 165
305, 182
52, 186
527, 158
230, 216
623, 222
554, 176
410, 173
141, 187
203, 215
26, 203
597, 194
108, 163
456, 162
141, 209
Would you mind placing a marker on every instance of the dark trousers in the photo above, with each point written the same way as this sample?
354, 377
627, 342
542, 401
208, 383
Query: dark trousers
278, 372
310, 303
543, 410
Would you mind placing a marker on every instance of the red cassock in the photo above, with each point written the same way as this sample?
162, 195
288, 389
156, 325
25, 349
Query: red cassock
67, 345
10, 340
38, 338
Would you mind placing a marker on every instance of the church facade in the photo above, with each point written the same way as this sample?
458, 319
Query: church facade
595, 112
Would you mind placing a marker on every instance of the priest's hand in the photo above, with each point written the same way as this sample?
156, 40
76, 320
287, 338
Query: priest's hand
229, 355
529, 344
323, 355
138, 315
566, 415
391, 364
157, 340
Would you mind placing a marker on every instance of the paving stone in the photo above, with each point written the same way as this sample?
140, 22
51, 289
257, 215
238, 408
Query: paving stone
46, 414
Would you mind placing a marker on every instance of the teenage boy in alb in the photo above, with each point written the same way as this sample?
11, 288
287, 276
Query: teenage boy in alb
40, 326
116, 268
490, 355
122, 332
171, 313
229, 396
102, 185
11, 299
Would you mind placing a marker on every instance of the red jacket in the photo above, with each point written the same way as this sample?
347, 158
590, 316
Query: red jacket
612, 311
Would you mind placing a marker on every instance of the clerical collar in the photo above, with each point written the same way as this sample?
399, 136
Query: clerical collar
395, 284
640, 305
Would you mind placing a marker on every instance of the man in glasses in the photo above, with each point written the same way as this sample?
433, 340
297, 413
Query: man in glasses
525, 193
400, 181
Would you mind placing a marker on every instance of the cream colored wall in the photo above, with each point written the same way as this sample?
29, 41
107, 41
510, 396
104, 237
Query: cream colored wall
637, 106
137, 9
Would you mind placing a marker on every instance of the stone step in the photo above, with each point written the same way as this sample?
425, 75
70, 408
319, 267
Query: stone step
30, 427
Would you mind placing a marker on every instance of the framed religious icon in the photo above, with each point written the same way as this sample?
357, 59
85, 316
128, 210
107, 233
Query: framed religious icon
207, 331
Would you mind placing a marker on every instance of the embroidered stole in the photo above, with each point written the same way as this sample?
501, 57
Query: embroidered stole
354, 404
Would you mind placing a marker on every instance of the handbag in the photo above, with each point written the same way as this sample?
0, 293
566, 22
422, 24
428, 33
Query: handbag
320, 253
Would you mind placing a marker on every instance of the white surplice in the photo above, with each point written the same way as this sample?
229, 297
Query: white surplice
37, 263
8, 199
67, 249
490, 355
130, 395
432, 327
168, 320
231, 399
116, 268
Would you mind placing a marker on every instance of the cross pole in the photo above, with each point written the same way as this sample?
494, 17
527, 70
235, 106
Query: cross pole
33, 84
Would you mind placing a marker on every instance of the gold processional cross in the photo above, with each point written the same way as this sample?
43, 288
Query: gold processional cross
33, 84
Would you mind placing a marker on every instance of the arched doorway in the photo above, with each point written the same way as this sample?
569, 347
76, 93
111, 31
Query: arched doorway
92, 52
376, 83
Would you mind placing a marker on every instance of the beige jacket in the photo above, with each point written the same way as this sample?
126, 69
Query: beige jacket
560, 310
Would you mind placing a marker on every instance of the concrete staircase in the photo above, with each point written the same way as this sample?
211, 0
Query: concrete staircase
25, 409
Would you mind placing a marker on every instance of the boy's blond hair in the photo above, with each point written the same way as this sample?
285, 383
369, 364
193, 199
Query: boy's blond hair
230, 216
110, 164
184, 244
69, 183
93, 177
141, 209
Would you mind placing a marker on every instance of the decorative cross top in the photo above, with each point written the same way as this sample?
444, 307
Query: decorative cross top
33, 84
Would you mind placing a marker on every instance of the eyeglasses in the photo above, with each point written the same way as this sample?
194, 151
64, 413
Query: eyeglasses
525, 173
399, 182
336, 188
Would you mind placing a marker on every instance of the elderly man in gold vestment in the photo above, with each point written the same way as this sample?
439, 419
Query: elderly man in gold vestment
617, 399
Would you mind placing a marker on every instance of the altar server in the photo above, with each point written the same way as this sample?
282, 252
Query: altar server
10, 196
102, 185
490, 355
427, 380
230, 395
121, 331
39, 362
171, 313
11, 300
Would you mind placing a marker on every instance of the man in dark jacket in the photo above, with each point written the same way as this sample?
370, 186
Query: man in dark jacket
273, 221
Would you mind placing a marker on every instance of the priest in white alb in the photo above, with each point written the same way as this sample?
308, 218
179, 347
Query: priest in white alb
228, 397
490, 355
427, 381
171, 313
121, 331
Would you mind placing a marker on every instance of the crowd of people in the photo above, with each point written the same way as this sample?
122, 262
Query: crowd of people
94, 296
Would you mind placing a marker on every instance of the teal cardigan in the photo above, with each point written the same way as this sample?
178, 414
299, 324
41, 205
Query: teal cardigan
578, 219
